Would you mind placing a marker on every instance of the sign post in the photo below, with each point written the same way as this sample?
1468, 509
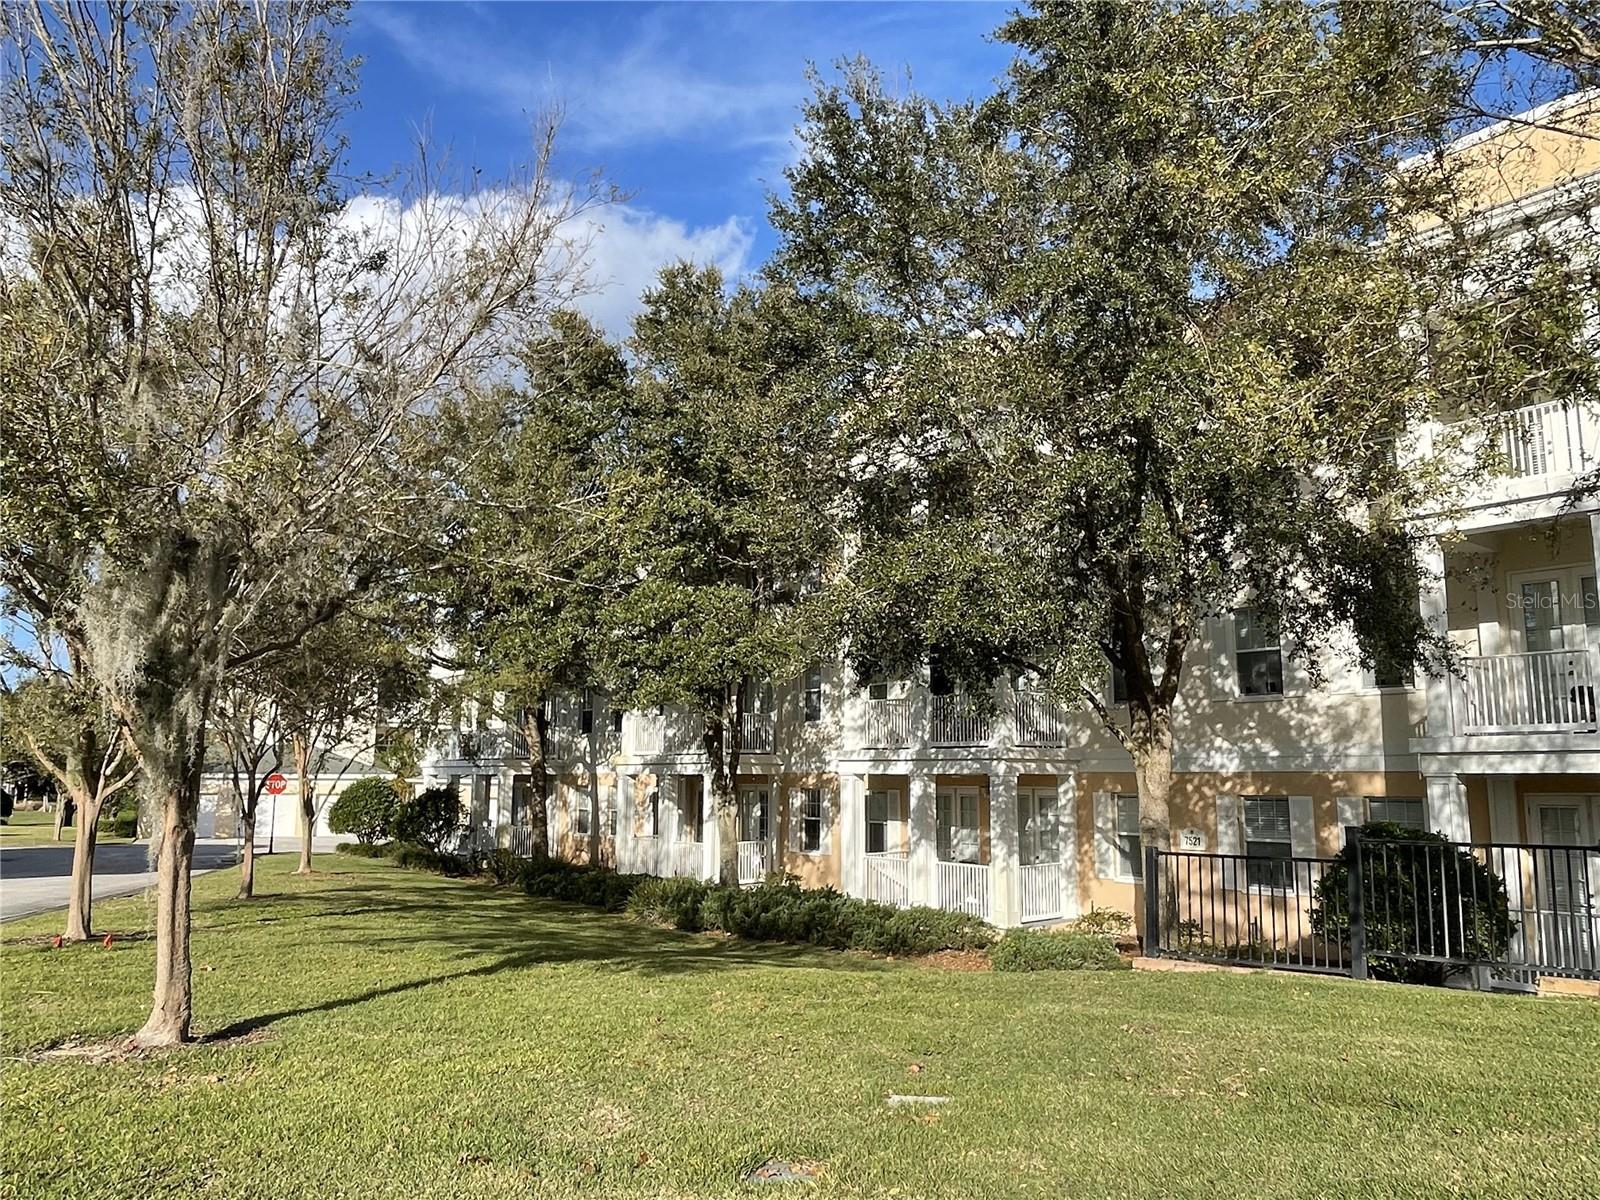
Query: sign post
276, 782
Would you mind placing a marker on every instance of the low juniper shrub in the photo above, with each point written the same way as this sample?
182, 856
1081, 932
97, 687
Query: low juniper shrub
673, 902
1054, 950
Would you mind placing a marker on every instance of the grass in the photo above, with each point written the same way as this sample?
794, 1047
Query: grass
35, 828
401, 1035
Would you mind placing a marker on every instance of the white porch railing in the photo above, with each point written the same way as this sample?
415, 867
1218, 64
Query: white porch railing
1550, 439
1041, 891
688, 859
888, 879
954, 723
519, 840
964, 887
756, 732
1545, 691
1040, 721
888, 723
755, 862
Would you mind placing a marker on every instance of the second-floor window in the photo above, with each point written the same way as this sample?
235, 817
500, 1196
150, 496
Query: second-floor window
811, 695
1257, 655
586, 713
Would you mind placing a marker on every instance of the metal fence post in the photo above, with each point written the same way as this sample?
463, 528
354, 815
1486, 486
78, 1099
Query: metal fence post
1152, 902
1356, 904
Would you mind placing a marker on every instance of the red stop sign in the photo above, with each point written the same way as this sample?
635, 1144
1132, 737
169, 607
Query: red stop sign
276, 783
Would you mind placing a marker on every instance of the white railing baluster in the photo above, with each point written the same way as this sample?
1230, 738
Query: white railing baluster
1540, 691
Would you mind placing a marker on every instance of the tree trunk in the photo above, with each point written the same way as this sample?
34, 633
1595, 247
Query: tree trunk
594, 800
80, 897
170, 1011
536, 731
247, 852
1150, 743
62, 809
308, 805
722, 755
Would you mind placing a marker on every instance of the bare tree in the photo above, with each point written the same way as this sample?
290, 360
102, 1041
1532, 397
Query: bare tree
252, 352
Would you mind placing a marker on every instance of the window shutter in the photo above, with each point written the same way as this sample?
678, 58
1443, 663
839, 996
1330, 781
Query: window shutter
1230, 838
797, 817
1351, 812
1302, 828
1105, 835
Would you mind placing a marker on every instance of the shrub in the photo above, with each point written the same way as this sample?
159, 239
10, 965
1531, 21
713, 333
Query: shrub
121, 817
427, 819
669, 902
1422, 884
363, 849
1055, 950
598, 887
427, 858
502, 866
1102, 922
366, 809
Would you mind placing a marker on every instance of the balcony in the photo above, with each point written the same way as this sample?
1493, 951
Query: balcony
1040, 720
1549, 439
1545, 691
757, 731
477, 745
888, 724
954, 722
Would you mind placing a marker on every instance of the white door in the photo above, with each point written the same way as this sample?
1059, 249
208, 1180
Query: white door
1557, 677
958, 824
1567, 884
1038, 840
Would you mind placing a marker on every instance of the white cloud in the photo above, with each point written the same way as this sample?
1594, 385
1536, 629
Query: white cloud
629, 246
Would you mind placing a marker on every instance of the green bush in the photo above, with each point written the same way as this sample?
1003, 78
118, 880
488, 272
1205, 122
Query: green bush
598, 887
503, 867
669, 902
363, 850
1102, 922
1055, 950
366, 809
427, 858
120, 818
1422, 883
427, 819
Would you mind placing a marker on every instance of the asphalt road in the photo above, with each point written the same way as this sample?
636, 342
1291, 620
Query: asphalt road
36, 878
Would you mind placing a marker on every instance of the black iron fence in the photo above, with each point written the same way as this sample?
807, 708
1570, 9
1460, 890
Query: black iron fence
1415, 907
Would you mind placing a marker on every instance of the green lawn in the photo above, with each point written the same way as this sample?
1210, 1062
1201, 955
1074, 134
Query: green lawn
33, 828
410, 1036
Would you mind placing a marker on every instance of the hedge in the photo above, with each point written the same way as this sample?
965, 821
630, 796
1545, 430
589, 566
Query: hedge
1054, 950
366, 809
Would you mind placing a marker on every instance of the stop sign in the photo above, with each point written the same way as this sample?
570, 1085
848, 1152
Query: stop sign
276, 783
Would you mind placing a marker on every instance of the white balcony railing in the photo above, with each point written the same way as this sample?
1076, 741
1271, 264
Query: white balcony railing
1549, 439
755, 862
888, 723
964, 887
479, 744
1545, 691
756, 732
1041, 891
888, 879
688, 860
953, 722
1040, 720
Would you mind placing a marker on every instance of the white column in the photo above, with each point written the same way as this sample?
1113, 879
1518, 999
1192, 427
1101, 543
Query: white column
922, 834
712, 862
852, 820
1447, 807
1067, 833
1434, 611
1004, 900
627, 809
669, 796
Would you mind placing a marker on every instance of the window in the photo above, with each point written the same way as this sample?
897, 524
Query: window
1389, 672
1130, 845
880, 808
1119, 685
580, 820
586, 713
520, 786
1257, 654
811, 695
655, 812
878, 689
616, 720
1541, 616
958, 825
1589, 597
609, 818
1266, 837
1407, 813
811, 821
753, 815
1036, 822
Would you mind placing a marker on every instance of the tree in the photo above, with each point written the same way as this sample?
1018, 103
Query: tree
247, 726
61, 724
531, 567
228, 365
1135, 349
722, 486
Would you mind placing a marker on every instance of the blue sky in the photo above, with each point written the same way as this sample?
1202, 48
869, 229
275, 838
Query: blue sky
690, 108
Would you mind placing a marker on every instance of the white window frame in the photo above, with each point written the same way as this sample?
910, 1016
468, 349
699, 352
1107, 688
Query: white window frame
1239, 651
812, 797
755, 799
1287, 840
890, 799
1127, 841
1419, 801
1036, 818
811, 687
951, 815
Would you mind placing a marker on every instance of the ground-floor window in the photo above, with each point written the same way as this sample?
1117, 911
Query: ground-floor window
654, 809
882, 812
958, 825
1036, 826
753, 814
1129, 843
580, 819
1267, 836
811, 820
1403, 812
